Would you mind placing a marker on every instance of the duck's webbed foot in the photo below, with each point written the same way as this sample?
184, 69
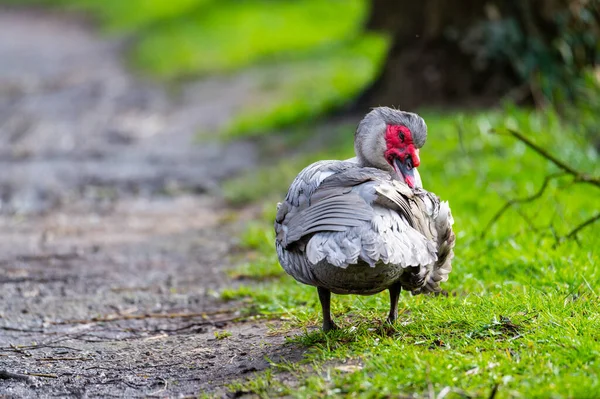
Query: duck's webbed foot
329, 325
325, 298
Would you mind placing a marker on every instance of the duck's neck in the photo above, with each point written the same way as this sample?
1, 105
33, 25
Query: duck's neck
365, 162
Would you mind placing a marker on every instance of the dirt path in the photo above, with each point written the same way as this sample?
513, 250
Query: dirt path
104, 213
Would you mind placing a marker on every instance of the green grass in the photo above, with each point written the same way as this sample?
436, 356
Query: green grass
227, 35
257, 241
118, 17
522, 312
301, 90
222, 335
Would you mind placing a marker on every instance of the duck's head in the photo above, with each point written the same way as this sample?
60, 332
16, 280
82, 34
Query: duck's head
390, 139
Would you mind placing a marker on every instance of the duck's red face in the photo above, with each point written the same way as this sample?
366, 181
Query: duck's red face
401, 152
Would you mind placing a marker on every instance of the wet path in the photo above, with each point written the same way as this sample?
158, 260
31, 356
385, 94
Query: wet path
106, 223
73, 118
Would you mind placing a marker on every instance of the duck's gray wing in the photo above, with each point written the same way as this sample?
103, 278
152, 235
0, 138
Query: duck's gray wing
437, 226
355, 213
290, 247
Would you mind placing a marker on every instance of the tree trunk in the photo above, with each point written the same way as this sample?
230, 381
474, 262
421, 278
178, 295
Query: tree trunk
472, 52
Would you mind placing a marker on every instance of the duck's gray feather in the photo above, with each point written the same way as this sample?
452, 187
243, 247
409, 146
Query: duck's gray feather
338, 214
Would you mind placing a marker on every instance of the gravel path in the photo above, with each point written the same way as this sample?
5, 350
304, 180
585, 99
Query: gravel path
107, 222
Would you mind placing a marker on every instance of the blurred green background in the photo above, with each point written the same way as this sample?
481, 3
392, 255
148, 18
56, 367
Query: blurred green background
314, 57
467, 67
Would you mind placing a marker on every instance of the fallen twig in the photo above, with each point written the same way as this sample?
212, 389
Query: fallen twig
7, 375
17, 349
43, 375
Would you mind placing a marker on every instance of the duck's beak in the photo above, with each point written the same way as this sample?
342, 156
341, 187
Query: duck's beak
406, 170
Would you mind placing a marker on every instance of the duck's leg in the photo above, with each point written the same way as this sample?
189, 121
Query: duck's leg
394, 296
325, 298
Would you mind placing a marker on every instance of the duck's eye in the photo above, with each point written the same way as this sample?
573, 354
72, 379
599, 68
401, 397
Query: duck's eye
401, 136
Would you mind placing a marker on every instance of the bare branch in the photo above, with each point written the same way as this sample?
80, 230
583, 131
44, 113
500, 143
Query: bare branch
581, 226
512, 202
578, 177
